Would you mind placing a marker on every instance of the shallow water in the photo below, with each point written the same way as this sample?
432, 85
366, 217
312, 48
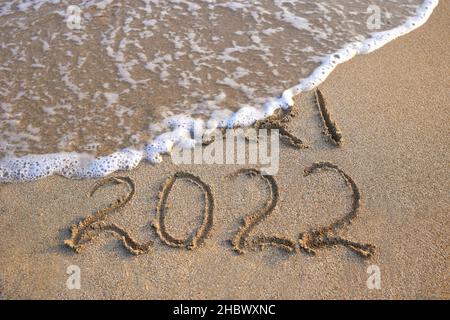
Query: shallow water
131, 64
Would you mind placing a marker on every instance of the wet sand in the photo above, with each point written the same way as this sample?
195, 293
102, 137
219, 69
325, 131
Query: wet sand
392, 110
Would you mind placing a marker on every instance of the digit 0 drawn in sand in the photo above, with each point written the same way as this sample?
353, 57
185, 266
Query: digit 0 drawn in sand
326, 236
240, 242
202, 232
93, 225
331, 128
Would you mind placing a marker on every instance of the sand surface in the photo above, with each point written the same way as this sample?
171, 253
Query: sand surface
392, 107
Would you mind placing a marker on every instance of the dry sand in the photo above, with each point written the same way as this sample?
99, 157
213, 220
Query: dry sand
392, 107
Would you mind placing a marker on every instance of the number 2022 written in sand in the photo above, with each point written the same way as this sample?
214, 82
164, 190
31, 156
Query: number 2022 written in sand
308, 242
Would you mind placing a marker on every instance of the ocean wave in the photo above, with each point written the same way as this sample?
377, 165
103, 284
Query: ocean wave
179, 122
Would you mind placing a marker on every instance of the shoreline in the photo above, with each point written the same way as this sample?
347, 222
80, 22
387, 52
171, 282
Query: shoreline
81, 166
392, 109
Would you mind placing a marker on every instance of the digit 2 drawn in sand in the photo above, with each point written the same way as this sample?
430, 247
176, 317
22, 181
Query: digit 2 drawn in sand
239, 242
326, 236
90, 227
203, 231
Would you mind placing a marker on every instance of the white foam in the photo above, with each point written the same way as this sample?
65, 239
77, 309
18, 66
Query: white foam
183, 128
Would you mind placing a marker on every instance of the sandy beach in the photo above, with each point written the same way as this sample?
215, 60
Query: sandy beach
392, 108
